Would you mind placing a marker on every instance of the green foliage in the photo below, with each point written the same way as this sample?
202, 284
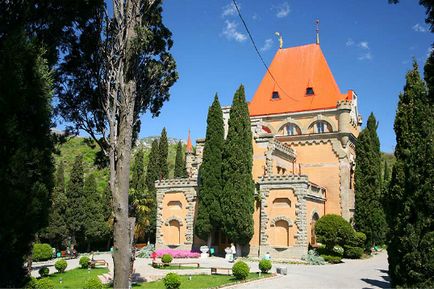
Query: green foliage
172, 281
44, 271
409, 203
166, 258
209, 214
265, 266
312, 258
237, 201
333, 230
368, 214
60, 265
42, 252
336, 251
44, 283
163, 152
179, 162
152, 175
84, 262
31, 284
358, 240
240, 270
93, 283
353, 252
26, 166
332, 259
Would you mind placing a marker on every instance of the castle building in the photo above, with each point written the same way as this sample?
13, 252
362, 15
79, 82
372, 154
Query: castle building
304, 135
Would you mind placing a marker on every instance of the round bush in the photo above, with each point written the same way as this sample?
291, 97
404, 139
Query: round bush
333, 230
264, 266
44, 283
353, 252
358, 240
172, 281
42, 252
60, 265
44, 271
93, 283
240, 270
84, 262
332, 259
167, 258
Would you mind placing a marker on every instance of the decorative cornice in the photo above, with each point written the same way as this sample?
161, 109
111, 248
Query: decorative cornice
176, 183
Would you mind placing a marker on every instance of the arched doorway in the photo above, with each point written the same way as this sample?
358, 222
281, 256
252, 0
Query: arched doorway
281, 233
315, 218
174, 233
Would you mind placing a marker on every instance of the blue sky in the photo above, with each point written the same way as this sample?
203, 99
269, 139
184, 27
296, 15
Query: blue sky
369, 46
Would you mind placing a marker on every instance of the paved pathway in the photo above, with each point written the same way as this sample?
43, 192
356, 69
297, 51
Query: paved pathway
369, 273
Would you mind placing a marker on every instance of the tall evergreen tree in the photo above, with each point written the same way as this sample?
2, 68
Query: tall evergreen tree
369, 215
152, 175
237, 202
57, 229
209, 214
163, 148
107, 212
179, 162
95, 228
75, 211
410, 197
26, 164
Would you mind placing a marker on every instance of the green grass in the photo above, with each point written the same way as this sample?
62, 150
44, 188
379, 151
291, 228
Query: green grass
202, 281
75, 278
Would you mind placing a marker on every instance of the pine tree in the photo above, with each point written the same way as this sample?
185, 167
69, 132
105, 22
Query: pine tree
209, 214
238, 188
75, 211
26, 164
57, 230
95, 228
106, 200
410, 198
152, 175
163, 149
369, 215
179, 162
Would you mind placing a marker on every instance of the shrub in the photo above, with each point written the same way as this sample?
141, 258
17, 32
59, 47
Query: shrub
336, 251
146, 251
84, 262
60, 265
353, 252
44, 283
240, 270
31, 284
265, 266
333, 230
313, 258
172, 281
177, 253
358, 240
93, 283
42, 252
332, 259
44, 271
167, 258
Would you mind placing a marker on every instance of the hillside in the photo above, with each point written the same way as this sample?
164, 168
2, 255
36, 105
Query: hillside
78, 145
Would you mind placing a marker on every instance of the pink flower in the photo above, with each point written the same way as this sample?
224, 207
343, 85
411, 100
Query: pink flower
177, 253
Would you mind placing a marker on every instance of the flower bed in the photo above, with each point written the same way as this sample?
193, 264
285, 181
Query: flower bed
177, 253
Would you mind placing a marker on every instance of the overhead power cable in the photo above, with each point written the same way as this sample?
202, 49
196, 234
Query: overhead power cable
257, 51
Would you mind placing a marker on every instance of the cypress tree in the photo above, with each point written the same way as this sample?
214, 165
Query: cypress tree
95, 228
57, 230
26, 164
179, 162
410, 198
238, 188
75, 211
369, 215
152, 175
163, 148
209, 214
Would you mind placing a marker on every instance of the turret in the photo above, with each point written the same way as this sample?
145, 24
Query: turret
189, 156
344, 121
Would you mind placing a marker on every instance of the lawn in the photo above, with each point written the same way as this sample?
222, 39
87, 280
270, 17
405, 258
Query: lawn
201, 281
75, 278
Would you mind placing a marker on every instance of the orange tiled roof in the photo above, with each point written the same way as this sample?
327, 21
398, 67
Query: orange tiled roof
295, 69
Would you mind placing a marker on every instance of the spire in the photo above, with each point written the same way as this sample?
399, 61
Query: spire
189, 148
317, 31
280, 39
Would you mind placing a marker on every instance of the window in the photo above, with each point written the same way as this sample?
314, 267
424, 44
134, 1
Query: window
275, 95
320, 127
309, 91
290, 129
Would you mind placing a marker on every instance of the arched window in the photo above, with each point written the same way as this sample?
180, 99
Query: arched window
320, 126
174, 233
315, 218
290, 129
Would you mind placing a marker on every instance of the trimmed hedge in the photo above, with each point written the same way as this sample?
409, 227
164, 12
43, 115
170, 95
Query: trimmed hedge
353, 252
166, 259
333, 230
60, 265
172, 281
93, 283
44, 271
42, 252
240, 270
44, 283
332, 259
84, 262
265, 266
358, 240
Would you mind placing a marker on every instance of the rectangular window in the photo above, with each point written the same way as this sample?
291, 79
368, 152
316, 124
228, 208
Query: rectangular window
275, 95
320, 127
290, 129
309, 91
